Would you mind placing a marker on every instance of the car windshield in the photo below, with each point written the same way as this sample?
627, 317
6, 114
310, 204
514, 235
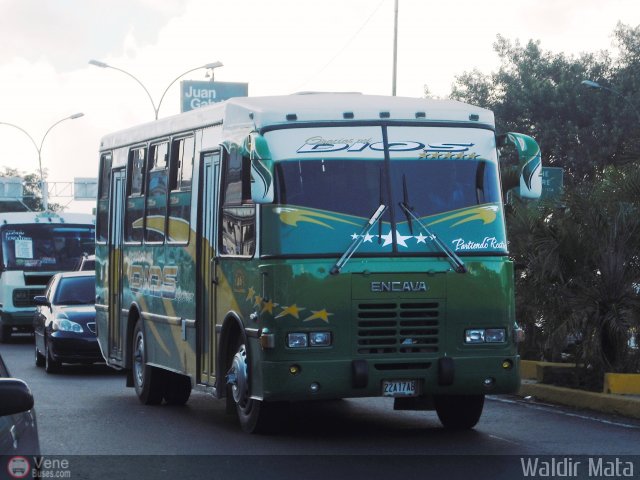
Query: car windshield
75, 291
42, 247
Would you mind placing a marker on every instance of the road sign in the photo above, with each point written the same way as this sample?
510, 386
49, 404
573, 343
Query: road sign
196, 94
552, 182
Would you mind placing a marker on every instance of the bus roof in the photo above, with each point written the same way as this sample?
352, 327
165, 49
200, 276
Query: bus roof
16, 218
255, 113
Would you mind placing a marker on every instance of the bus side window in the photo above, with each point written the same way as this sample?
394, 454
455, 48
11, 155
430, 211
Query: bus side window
180, 174
135, 195
102, 219
156, 208
238, 222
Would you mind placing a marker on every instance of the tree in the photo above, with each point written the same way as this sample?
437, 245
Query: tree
32, 194
578, 262
539, 93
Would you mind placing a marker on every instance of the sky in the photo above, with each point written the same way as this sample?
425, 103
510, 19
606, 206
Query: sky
277, 47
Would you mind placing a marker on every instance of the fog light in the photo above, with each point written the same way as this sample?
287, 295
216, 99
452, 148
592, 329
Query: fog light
320, 339
474, 335
294, 369
314, 387
495, 335
297, 340
507, 364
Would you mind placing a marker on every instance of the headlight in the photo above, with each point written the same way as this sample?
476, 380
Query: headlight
62, 324
475, 335
495, 335
485, 335
297, 340
308, 339
320, 339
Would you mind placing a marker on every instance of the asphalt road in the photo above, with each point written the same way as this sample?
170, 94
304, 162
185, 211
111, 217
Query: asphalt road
87, 414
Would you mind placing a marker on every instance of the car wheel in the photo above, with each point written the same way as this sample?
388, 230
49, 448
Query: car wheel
50, 365
459, 412
40, 360
177, 388
149, 382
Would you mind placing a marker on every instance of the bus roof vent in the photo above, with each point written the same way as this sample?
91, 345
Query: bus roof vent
421, 115
347, 115
292, 117
385, 115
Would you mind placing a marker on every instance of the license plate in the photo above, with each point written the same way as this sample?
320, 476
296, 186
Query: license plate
399, 388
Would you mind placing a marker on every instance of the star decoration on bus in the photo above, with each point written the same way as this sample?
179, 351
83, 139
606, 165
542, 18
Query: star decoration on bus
320, 314
292, 310
267, 306
421, 238
388, 238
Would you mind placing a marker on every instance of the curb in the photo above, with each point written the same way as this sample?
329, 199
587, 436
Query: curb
628, 406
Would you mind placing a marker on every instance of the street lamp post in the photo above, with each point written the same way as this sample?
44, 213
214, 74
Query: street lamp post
43, 187
156, 109
395, 49
596, 86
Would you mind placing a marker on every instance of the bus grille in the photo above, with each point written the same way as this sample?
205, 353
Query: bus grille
23, 297
402, 327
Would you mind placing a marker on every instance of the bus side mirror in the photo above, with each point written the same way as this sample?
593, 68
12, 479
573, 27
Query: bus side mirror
262, 168
262, 181
529, 170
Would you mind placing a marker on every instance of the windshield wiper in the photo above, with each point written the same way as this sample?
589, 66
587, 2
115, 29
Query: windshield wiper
456, 261
357, 241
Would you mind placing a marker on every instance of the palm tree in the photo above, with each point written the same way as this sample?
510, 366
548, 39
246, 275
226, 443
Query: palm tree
580, 271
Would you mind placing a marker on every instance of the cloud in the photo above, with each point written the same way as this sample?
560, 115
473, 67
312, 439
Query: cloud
66, 33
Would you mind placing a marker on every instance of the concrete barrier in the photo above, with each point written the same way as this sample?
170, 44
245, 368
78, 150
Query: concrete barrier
535, 370
622, 383
627, 406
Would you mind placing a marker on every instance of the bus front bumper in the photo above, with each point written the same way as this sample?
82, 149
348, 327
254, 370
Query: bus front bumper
21, 320
307, 380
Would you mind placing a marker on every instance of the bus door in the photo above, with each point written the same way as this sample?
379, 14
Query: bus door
116, 212
207, 266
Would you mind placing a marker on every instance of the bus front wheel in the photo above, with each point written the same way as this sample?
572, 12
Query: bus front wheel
459, 412
147, 380
255, 416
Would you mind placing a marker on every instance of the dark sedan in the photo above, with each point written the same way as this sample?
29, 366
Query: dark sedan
65, 322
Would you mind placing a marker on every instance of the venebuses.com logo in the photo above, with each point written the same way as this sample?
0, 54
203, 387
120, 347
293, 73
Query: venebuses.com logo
38, 467
18, 467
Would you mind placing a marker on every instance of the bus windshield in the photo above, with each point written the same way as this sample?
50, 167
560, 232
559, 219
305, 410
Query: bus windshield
45, 247
357, 187
321, 205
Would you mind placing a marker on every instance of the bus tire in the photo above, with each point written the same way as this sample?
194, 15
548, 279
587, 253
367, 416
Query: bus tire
459, 412
255, 416
148, 381
177, 389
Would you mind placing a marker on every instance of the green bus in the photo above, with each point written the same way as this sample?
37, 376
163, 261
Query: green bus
313, 246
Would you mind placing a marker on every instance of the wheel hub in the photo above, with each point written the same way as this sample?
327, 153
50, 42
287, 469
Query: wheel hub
237, 377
